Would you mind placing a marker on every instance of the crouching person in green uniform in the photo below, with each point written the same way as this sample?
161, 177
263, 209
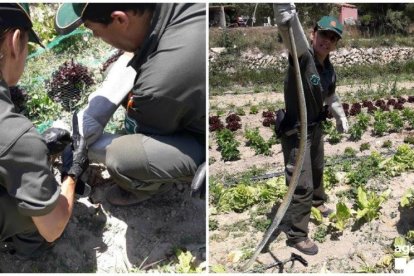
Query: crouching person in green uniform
319, 82
34, 208
165, 112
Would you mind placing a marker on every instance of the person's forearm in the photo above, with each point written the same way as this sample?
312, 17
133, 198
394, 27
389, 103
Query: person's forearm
301, 41
52, 225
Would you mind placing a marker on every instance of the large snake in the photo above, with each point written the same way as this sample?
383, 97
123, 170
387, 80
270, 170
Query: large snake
299, 161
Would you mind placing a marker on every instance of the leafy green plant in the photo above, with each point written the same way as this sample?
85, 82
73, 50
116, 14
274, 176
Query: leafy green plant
355, 132
215, 190
341, 217
408, 116
316, 215
380, 123
240, 111
359, 127
396, 121
276, 187
186, 263
369, 204
256, 141
410, 236
218, 268
334, 136
261, 223
320, 233
387, 144
408, 199
254, 109
43, 21
40, 108
350, 152
213, 224
363, 120
237, 198
399, 244
228, 145
401, 161
365, 170
364, 146
329, 178
327, 126
404, 156
244, 195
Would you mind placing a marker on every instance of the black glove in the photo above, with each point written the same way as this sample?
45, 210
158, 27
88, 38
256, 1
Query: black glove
56, 139
75, 158
198, 185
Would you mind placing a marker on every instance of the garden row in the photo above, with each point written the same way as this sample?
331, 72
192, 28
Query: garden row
380, 121
360, 199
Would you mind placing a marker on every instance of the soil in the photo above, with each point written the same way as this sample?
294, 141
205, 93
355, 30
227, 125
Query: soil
103, 238
360, 248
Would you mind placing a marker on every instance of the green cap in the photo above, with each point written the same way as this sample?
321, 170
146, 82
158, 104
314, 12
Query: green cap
17, 15
69, 17
330, 23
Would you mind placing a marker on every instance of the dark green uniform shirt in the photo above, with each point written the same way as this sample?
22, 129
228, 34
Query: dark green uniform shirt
170, 88
318, 82
25, 174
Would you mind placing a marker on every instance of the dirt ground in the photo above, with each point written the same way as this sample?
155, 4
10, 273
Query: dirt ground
102, 238
359, 248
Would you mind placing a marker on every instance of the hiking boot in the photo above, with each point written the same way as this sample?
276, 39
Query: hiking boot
325, 211
307, 246
120, 197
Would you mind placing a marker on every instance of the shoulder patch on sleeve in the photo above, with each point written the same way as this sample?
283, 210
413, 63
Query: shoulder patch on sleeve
314, 79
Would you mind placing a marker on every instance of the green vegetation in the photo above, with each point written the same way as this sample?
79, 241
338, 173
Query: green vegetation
228, 145
369, 204
256, 141
244, 195
408, 199
341, 217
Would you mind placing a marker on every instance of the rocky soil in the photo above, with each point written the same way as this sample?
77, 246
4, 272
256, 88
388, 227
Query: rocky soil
102, 238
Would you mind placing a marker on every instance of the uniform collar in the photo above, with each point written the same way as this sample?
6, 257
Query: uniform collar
327, 62
4, 91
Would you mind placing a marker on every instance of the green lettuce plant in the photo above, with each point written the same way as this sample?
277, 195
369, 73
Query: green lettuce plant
369, 204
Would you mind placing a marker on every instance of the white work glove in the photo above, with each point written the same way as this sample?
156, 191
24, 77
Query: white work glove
284, 13
342, 125
335, 107
103, 103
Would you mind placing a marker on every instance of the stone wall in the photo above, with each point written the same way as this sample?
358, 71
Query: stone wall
255, 59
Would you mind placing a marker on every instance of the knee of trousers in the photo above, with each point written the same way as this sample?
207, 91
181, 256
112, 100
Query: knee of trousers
119, 166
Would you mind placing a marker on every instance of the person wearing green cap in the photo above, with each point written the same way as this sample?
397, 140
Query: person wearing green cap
34, 208
165, 121
319, 82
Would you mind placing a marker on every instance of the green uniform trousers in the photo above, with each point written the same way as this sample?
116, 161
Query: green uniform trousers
143, 163
309, 191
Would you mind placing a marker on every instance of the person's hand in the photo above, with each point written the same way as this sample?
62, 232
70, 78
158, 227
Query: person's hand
342, 125
75, 158
56, 139
284, 13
